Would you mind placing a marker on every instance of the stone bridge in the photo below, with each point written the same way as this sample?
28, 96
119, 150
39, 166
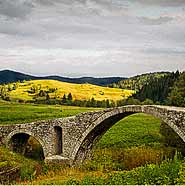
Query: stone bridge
70, 140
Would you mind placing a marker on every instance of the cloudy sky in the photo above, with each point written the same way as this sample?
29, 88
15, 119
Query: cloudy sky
92, 37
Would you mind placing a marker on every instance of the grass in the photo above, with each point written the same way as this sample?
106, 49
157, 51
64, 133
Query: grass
28, 168
135, 130
129, 153
13, 113
79, 91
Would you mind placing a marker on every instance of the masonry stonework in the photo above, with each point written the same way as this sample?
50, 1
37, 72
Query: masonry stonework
79, 134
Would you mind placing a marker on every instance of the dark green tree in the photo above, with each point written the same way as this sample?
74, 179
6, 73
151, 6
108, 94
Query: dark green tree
42, 93
93, 103
177, 95
64, 99
70, 97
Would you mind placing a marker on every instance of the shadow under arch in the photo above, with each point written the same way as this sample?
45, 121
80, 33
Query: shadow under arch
100, 126
26, 144
58, 140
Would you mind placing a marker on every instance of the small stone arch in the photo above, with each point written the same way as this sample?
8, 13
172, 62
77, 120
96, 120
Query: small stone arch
25, 135
58, 141
100, 126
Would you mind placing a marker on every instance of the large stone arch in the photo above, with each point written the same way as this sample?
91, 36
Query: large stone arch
17, 132
100, 126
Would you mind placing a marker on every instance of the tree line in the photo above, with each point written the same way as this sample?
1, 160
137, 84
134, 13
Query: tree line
158, 88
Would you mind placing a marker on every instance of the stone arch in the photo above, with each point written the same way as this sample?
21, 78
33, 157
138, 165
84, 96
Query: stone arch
100, 126
25, 134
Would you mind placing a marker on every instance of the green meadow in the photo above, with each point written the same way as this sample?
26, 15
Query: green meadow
14, 113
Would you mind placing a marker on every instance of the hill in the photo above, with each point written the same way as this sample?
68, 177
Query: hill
155, 88
8, 76
137, 82
158, 88
41, 89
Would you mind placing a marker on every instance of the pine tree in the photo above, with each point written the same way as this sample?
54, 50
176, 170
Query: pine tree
64, 99
69, 97
177, 95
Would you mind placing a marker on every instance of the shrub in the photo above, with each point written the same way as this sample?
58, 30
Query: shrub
152, 174
125, 159
27, 172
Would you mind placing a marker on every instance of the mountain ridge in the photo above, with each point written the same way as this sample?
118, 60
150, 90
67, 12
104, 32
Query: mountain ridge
10, 76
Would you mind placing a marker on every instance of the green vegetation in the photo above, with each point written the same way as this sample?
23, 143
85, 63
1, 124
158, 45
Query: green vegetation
29, 169
155, 88
177, 95
12, 113
137, 82
135, 130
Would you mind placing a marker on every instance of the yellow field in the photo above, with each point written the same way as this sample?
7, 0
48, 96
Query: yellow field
78, 91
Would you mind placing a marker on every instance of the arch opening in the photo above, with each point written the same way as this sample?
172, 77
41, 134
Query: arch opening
96, 132
58, 140
26, 145
93, 137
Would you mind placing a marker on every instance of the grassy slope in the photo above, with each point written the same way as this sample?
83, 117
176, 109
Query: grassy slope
12, 113
79, 91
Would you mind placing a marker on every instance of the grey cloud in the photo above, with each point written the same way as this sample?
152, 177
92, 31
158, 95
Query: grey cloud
91, 25
15, 9
88, 7
20, 28
170, 3
165, 51
22, 8
155, 21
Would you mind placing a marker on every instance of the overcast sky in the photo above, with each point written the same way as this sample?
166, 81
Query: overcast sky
92, 37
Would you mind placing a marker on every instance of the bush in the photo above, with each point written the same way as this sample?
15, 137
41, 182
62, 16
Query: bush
152, 174
27, 172
181, 175
106, 160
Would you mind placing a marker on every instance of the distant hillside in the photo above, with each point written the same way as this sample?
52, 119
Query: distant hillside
157, 88
137, 82
152, 87
53, 89
8, 76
